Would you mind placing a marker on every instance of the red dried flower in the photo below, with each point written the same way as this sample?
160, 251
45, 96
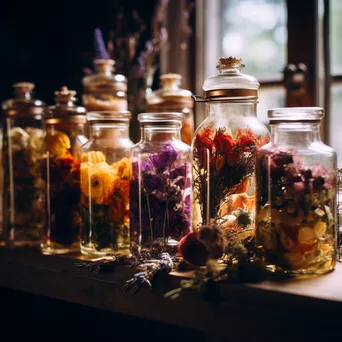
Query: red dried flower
224, 142
245, 139
233, 158
204, 139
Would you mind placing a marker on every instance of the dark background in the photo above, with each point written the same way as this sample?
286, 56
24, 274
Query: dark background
50, 43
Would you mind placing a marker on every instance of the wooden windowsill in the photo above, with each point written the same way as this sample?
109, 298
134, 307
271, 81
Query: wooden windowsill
272, 309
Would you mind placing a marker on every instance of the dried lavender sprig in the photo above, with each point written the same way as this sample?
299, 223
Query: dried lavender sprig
152, 267
99, 45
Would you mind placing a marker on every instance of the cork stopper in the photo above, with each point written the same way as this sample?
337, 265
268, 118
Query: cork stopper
170, 80
23, 89
104, 65
65, 95
225, 63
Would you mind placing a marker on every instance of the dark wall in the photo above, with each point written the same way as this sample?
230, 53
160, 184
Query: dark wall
49, 43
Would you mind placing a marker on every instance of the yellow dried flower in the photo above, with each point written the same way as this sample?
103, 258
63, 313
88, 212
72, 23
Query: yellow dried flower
123, 168
58, 143
93, 157
98, 181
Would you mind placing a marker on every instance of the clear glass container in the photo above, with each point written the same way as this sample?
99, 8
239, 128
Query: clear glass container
171, 98
105, 178
224, 147
23, 192
104, 90
160, 192
65, 134
296, 194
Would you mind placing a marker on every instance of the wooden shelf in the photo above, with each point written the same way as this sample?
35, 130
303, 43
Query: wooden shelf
274, 310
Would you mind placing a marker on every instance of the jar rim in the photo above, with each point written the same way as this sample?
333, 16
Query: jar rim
108, 116
298, 114
161, 118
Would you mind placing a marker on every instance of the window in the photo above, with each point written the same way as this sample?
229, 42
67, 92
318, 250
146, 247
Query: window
270, 34
335, 123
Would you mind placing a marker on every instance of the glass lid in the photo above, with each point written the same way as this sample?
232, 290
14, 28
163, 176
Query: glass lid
23, 103
170, 92
231, 82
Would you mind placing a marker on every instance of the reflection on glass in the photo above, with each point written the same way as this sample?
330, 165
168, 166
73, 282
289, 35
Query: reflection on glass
256, 30
270, 97
335, 121
335, 36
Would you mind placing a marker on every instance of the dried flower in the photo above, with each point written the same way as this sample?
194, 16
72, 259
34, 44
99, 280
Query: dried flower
100, 49
58, 143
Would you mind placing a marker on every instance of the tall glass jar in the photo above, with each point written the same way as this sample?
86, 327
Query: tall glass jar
65, 134
160, 193
104, 90
224, 147
23, 193
296, 194
105, 178
171, 98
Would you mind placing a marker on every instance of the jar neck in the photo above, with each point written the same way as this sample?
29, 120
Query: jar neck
152, 133
226, 109
295, 133
104, 69
108, 131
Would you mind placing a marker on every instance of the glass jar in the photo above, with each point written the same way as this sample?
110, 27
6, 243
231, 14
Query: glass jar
105, 177
296, 194
65, 134
23, 193
104, 90
160, 193
171, 98
224, 147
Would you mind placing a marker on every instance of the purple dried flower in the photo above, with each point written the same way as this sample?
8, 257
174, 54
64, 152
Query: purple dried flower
294, 168
276, 162
165, 158
180, 224
187, 204
330, 180
179, 171
152, 182
99, 45
318, 170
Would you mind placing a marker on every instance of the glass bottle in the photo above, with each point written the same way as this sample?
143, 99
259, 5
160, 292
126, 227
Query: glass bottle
296, 194
105, 178
224, 147
23, 193
104, 90
65, 134
174, 99
160, 193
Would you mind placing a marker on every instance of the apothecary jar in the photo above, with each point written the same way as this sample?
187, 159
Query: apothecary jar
105, 177
296, 194
224, 148
23, 193
160, 193
66, 132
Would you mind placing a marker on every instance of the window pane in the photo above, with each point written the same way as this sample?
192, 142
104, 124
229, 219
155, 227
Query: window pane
257, 32
336, 121
270, 97
336, 36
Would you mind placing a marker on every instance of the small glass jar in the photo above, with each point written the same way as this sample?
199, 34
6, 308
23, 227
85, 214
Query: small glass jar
224, 149
171, 98
65, 134
104, 90
160, 192
23, 193
105, 178
296, 194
